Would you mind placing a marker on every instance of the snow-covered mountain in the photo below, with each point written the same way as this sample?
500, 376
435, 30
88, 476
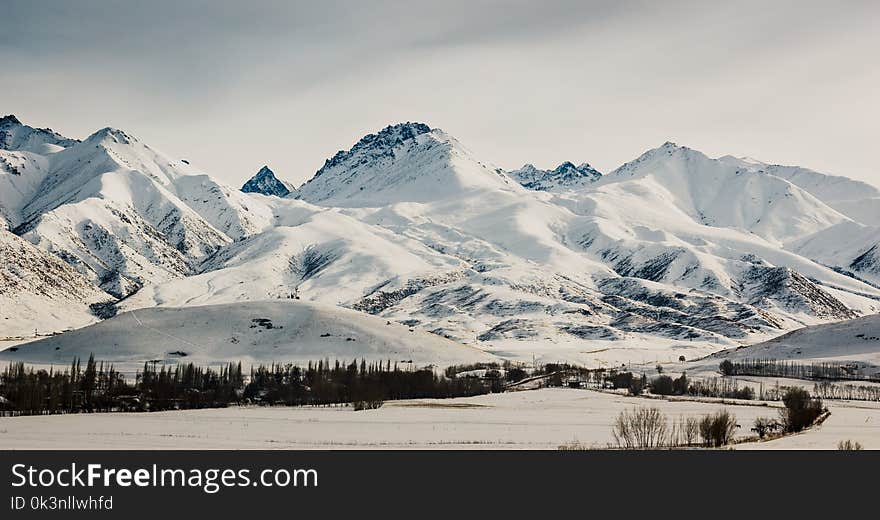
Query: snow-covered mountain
564, 176
125, 215
852, 247
408, 162
672, 252
715, 193
265, 183
117, 211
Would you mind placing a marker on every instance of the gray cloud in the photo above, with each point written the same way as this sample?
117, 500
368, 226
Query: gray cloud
231, 85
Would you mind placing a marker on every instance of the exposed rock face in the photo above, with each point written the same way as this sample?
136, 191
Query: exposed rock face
265, 183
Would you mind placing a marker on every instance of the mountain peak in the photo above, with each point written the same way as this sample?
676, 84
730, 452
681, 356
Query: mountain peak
9, 120
378, 144
407, 162
403, 131
667, 149
114, 134
15, 135
566, 175
265, 183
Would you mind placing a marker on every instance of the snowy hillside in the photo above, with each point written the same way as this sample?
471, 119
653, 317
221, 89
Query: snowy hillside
850, 341
39, 292
256, 332
265, 183
673, 252
858, 200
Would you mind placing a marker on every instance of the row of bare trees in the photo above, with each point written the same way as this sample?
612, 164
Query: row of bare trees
649, 428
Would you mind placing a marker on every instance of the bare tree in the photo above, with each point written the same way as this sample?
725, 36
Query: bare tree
641, 428
718, 429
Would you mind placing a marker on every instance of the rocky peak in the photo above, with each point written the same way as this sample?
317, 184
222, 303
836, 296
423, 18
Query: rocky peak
381, 144
566, 175
265, 182
9, 120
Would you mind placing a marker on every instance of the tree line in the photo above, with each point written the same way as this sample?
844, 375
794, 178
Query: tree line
791, 369
99, 387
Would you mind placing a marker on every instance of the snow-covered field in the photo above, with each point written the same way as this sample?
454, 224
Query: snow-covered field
538, 419
849, 420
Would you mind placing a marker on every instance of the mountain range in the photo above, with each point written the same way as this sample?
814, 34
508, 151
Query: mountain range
674, 253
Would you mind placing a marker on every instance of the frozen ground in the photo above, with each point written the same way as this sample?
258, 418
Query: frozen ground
540, 419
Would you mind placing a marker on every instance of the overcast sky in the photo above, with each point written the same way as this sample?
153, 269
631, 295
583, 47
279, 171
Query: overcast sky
235, 85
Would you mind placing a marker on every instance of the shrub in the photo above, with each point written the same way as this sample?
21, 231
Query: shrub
745, 392
849, 445
640, 428
726, 367
718, 429
636, 386
368, 405
680, 385
800, 409
515, 374
763, 426
621, 379
662, 385
686, 431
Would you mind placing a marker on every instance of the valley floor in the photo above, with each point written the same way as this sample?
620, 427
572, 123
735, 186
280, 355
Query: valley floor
539, 419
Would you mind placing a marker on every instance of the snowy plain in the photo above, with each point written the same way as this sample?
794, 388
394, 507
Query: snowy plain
534, 419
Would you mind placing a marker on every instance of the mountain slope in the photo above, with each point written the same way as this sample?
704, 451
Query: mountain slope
21, 174
858, 200
312, 254
848, 247
38, 291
